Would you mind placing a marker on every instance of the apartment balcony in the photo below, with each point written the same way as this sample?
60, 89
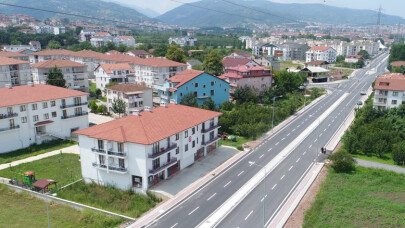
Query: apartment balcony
79, 79
381, 95
160, 168
73, 105
159, 87
75, 115
97, 150
380, 103
117, 154
204, 143
7, 116
100, 166
9, 128
164, 97
211, 128
117, 169
161, 152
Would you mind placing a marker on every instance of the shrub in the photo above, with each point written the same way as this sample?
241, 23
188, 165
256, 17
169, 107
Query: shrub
94, 106
101, 109
399, 153
343, 162
239, 148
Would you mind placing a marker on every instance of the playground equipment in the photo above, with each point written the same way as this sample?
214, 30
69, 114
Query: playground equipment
29, 178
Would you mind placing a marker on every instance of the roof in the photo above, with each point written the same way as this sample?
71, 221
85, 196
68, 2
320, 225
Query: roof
390, 81
316, 69
318, 48
128, 87
157, 62
193, 62
184, 76
317, 62
398, 63
233, 72
43, 183
53, 52
241, 53
116, 66
233, 62
60, 63
12, 54
4, 61
26, 94
150, 127
102, 34
43, 122
125, 37
139, 52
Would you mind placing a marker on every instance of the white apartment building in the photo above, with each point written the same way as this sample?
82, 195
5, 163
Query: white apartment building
101, 39
74, 73
14, 55
138, 151
128, 41
389, 91
183, 41
32, 45
14, 72
135, 96
38, 113
116, 72
321, 53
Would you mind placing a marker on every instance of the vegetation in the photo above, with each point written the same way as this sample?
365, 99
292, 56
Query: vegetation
175, 53
55, 78
189, 100
35, 150
23, 210
213, 64
364, 53
94, 106
397, 54
109, 198
342, 162
366, 198
237, 144
118, 106
64, 168
288, 65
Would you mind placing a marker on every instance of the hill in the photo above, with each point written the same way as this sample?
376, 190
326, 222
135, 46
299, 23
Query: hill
187, 15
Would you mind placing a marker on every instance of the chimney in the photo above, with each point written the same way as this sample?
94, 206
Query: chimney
9, 86
163, 104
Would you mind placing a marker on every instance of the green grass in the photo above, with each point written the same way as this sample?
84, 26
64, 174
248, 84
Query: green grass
92, 87
63, 168
239, 141
35, 150
20, 210
109, 198
289, 64
103, 99
366, 198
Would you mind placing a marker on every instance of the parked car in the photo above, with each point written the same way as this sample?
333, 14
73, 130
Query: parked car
363, 93
359, 102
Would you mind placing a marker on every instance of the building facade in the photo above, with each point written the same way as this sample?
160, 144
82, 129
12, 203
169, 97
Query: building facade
183, 41
321, 53
108, 73
389, 91
14, 72
136, 97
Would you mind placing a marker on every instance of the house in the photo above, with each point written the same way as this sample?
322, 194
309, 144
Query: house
193, 62
74, 73
136, 97
268, 61
292, 51
128, 41
108, 73
317, 63
187, 41
256, 77
321, 53
264, 49
101, 39
318, 74
234, 62
38, 113
48, 54
138, 151
14, 72
32, 45
354, 58
241, 54
389, 91
196, 82
140, 54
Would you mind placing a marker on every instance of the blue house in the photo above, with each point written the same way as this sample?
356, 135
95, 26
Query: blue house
199, 83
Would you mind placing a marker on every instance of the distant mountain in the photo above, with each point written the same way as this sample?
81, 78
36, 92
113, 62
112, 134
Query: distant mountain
186, 15
146, 11
94, 8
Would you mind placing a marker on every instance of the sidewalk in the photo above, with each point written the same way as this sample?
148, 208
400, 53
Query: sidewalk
378, 165
68, 150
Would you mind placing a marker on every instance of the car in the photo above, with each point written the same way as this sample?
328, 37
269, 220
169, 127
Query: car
363, 93
359, 102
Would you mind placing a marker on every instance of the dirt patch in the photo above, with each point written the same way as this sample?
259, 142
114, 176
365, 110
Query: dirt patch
393, 196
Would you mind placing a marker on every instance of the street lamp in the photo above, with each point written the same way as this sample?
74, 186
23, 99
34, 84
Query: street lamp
272, 119
264, 194
319, 127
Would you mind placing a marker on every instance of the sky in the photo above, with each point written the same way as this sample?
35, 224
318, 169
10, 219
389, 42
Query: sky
392, 7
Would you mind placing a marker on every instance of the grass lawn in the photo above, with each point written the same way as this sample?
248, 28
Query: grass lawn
65, 171
367, 198
239, 141
109, 198
386, 160
289, 64
22, 210
35, 150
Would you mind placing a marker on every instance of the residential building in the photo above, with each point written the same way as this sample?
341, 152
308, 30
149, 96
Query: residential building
135, 96
183, 41
48, 54
32, 45
389, 91
292, 51
318, 63
140, 54
398, 63
255, 77
39, 113
116, 72
193, 62
128, 41
234, 62
14, 55
317, 74
265, 49
101, 39
74, 73
138, 151
202, 85
14, 72
321, 53
241, 54
354, 58
268, 61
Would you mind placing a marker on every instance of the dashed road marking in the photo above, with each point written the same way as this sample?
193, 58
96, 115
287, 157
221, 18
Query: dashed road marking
273, 186
282, 177
241, 173
298, 160
211, 196
193, 210
248, 215
227, 184
270, 149
290, 168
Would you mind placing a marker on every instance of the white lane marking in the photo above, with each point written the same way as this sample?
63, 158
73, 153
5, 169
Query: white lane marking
288, 134
328, 125
320, 135
270, 149
282, 177
298, 125
298, 160
261, 156
174, 225
227, 184
251, 163
277, 143
273, 186
211, 196
290, 168
263, 198
333, 121
315, 140
324, 130
248, 215
193, 210
241, 173
282, 139
293, 129
310, 146
304, 153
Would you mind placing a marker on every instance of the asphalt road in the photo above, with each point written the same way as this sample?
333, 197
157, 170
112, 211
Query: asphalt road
280, 181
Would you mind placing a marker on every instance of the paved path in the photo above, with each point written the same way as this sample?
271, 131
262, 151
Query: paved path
99, 119
372, 164
68, 150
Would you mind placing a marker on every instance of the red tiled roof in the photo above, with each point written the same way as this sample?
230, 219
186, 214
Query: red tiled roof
317, 62
53, 52
4, 61
157, 62
125, 37
12, 54
318, 48
242, 53
139, 52
29, 94
60, 63
184, 76
398, 63
390, 81
233, 62
116, 66
102, 34
150, 127
233, 72
128, 87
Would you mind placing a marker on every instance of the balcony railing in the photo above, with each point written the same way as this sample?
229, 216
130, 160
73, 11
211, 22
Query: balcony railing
9, 128
101, 151
119, 169
210, 141
79, 79
119, 154
73, 105
103, 166
73, 116
157, 154
9, 115
210, 129
167, 164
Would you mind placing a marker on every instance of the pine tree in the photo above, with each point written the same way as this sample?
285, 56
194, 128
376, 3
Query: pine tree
119, 106
55, 77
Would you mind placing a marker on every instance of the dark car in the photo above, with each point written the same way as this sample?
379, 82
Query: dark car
359, 102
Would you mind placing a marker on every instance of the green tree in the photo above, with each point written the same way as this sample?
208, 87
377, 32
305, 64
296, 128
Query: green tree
118, 106
227, 106
399, 153
122, 48
342, 162
111, 46
98, 93
209, 104
55, 77
102, 109
213, 64
94, 106
245, 94
53, 45
189, 100
78, 30
160, 51
364, 53
340, 59
198, 67
175, 53
15, 42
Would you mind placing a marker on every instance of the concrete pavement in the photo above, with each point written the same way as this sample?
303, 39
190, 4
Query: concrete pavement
98, 119
378, 165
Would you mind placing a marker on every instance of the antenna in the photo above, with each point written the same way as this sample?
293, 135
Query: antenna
379, 15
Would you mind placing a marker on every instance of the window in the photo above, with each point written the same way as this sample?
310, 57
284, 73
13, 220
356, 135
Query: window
46, 116
193, 130
185, 133
54, 114
197, 140
24, 119
177, 136
63, 102
137, 181
204, 86
211, 135
120, 147
181, 94
193, 144
53, 103
34, 107
186, 148
394, 94
121, 163
225, 90
196, 85
35, 118
45, 105
102, 159
156, 163
394, 102
204, 94
177, 150
23, 108
212, 83
212, 92
195, 94
100, 144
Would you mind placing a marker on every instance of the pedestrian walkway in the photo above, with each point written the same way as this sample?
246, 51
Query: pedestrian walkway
68, 150
378, 165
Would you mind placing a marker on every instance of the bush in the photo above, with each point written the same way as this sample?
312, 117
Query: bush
102, 109
239, 148
343, 162
94, 106
399, 153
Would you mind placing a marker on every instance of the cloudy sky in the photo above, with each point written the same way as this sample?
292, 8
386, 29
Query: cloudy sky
393, 7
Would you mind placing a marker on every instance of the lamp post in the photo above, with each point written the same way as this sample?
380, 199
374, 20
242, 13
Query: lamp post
264, 194
47, 212
272, 119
